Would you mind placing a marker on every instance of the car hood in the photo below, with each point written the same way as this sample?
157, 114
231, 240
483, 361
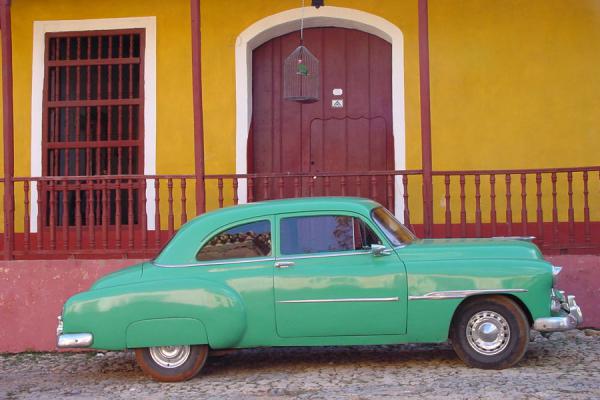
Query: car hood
461, 249
120, 277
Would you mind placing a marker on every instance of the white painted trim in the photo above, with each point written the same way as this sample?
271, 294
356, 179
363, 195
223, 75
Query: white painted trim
286, 22
40, 28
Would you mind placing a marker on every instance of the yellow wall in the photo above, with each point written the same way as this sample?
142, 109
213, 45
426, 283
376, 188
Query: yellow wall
513, 83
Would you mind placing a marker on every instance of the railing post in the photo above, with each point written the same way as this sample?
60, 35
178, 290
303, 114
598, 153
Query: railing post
406, 206
477, 205
448, 214
586, 209
8, 133
425, 118
463, 209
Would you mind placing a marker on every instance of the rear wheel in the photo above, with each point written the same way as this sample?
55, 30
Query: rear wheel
172, 363
490, 333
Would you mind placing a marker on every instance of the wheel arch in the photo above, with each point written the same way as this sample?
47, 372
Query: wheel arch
165, 332
471, 299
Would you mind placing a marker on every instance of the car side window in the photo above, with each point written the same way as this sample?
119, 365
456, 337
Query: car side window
364, 235
324, 233
243, 241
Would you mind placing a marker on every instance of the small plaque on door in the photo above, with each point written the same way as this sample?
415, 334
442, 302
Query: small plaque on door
337, 103
337, 92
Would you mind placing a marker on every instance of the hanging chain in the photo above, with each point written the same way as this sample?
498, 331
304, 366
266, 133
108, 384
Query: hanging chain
302, 25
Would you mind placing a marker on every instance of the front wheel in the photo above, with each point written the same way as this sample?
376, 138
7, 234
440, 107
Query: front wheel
490, 333
172, 363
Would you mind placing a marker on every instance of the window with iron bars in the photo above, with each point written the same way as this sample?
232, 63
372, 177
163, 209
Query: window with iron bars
93, 126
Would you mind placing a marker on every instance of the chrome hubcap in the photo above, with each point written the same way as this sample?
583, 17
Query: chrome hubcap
170, 356
488, 333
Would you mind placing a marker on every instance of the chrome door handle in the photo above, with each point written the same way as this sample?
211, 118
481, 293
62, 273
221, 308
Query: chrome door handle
284, 264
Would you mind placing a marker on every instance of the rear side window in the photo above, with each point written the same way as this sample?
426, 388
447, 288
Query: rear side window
325, 233
243, 241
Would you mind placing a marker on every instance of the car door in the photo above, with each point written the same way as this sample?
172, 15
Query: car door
240, 256
328, 282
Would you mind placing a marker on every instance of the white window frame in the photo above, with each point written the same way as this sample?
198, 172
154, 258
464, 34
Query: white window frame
40, 28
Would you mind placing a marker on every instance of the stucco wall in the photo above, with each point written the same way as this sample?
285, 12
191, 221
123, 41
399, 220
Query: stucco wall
513, 84
32, 294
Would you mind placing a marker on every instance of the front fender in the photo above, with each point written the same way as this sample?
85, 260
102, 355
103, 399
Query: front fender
108, 312
430, 318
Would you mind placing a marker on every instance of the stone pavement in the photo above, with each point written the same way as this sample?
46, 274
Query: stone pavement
566, 366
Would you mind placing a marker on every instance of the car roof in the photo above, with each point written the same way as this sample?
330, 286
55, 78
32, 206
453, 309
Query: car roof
182, 248
269, 207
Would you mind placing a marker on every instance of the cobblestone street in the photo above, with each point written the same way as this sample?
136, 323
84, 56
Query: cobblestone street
566, 366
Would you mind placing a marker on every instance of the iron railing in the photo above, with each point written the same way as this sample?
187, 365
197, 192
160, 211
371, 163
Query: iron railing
135, 215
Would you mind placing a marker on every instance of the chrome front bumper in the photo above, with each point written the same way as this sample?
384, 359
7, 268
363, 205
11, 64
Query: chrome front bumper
72, 340
569, 314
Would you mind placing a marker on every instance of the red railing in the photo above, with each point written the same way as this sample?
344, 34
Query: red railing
133, 216
99, 216
559, 206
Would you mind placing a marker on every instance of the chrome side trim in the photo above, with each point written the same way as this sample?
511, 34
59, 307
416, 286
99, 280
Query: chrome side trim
357, 300
460, 294
211, 263
75, 340
264, 259
524, 238
324, 255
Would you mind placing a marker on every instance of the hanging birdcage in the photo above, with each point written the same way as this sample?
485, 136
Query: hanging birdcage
301, 75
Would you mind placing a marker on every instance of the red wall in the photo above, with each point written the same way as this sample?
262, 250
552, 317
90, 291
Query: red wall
581, 277
32, 294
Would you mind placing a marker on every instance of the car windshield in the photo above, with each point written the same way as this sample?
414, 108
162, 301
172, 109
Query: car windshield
397, 233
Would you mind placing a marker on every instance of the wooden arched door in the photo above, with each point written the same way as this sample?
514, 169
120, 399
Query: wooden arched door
288, 137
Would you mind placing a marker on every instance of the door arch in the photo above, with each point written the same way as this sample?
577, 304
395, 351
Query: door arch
288, 21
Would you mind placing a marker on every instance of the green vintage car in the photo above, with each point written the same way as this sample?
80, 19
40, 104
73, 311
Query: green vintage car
315, 272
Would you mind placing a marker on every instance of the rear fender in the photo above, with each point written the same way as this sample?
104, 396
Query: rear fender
165, 332
119, 315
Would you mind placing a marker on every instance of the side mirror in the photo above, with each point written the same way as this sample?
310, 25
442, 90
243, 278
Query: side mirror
380, 250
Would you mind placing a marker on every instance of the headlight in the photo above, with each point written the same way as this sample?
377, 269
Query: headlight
555, 271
